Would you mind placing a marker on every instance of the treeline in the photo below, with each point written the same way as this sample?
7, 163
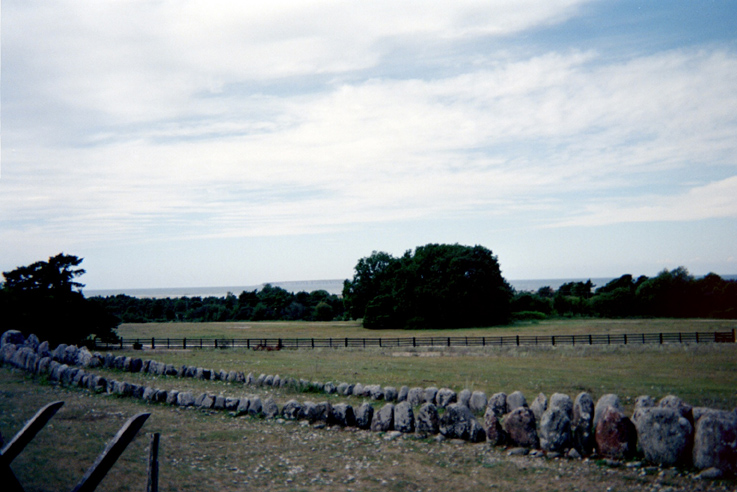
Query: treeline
268, 304
670, 294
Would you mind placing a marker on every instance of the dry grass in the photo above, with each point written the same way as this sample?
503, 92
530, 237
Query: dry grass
206, 451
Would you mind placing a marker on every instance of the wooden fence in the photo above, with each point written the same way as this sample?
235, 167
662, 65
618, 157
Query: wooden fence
490, 341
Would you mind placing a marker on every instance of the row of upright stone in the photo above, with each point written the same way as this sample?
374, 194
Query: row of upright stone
668, 432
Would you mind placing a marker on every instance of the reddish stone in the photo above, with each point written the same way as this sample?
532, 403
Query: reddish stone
615, 435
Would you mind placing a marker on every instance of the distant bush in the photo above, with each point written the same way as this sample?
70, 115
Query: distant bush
529, 316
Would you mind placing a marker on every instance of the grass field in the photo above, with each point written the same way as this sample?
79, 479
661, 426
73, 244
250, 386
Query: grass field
214, 451
704, 375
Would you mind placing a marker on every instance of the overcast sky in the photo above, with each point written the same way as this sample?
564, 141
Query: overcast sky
206, 143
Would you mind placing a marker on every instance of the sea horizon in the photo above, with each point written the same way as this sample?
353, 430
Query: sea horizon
332, 286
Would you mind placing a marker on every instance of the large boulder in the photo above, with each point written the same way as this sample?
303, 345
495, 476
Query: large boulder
562, 401
664, 436
390, 393
185, 399
519, 426
458, 422
642, 403
31, 342
12, 336
715, 442
498, 404
539, 405
555, 430
291, 410
43, 349
583, 421
375, 391
254, 406
403, 393
606, 401
428, 421
616, 436
383, 420
269, 408
243, 403
516, 400
404, 418
430, 394
364, 416
464, 397
342, 414
416, 396
672, 401
495, 435
204, 401
478, 402
445, 397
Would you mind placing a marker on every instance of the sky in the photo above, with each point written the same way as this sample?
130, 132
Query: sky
200, 143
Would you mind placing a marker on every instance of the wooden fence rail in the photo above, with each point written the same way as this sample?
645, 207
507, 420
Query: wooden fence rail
484, 341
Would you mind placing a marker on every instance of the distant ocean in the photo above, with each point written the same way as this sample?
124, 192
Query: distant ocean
334, 286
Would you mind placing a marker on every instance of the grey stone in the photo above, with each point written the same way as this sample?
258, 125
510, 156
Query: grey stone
383, 420
358, 389
428, 421
243, 404
58, 353
270, 408
255, 406
185, 399
404, 417
457, 423
364, 416
715, 442
642, 403
7, 351
430, 394
416, 396
516, 400
555, 430
445, 397
403, 393
609, 400
330, 388
390, 393
464, 397
291, 410
70, 354
32, 342
12, 336
538, 406
204, 401
710, 474
231, 404
268, 380
342, 388
664, 436
583, 420
43, 349
672, 401
149, 394
376, 392
172, 397
171, 370
342, 414
276, 383
43, 365
562, 401
250, 379
478, 402
519, 426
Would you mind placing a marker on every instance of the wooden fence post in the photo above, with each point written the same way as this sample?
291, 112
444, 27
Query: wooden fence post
153, 465
184, 343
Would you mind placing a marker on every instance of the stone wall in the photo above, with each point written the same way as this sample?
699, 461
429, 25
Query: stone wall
668, 432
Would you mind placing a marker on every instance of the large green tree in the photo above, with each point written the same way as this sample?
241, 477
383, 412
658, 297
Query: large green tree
44, 298
437, 286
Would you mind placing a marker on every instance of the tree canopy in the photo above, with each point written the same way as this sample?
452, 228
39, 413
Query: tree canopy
43, 298
439, 285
